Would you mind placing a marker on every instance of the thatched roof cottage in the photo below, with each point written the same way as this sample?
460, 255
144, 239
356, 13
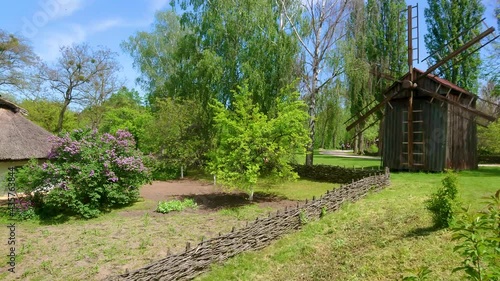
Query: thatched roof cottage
20, 139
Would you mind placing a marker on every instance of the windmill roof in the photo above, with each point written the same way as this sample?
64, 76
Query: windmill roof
444, 82
20, 139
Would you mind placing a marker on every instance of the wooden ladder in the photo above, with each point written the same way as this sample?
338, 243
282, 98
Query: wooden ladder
417, 139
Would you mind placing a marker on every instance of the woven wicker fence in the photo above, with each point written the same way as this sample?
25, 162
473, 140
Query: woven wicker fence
256, 235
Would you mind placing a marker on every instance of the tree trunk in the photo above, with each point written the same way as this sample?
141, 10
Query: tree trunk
250, 195
360, 143
312, 115
380, 144
61, 115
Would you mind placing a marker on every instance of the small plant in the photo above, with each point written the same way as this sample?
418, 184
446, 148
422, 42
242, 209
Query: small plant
323, 212
422, 274
479, 235
303, 217
443, 203
165, 207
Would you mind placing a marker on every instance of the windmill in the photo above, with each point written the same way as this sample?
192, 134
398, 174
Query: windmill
429, 122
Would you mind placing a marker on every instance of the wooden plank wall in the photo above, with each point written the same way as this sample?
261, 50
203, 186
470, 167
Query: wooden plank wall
434, 134
462, 138
393, 130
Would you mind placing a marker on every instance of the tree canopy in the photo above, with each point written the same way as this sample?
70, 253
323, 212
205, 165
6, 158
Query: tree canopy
250, 144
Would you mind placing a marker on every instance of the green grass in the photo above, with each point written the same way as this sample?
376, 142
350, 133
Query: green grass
382, 237
347, 162
386, 236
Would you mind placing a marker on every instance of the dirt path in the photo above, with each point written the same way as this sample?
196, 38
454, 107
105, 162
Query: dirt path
346, 153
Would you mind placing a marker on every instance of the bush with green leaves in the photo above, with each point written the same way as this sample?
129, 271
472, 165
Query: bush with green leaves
251, 144
165, 207
443, 203
479, 237
162, 169
86, 173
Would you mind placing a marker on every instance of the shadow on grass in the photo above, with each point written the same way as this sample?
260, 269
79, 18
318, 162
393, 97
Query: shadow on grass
53, 220
422, 231
216, 201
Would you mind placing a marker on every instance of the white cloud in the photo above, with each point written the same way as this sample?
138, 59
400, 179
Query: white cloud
155, 5
105, 25
53, 41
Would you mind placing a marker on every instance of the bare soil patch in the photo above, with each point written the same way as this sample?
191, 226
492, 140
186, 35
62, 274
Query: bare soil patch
209, 197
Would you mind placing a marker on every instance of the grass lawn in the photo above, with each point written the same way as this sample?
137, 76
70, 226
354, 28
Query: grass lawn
382, 237
386, 236
127, 238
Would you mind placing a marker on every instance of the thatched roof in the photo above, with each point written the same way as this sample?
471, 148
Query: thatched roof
20, 139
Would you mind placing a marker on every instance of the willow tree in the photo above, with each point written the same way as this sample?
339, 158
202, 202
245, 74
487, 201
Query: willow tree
357, 66
448, 24
204, 53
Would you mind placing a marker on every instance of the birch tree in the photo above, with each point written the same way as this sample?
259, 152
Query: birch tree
318, 25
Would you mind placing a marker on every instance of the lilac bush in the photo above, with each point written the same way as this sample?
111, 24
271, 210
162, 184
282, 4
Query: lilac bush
87, 173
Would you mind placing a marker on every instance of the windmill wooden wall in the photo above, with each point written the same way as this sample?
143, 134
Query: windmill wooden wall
446, 136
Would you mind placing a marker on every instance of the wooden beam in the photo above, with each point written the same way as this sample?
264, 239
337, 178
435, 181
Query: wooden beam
454, 103
456, 52
375, 108
410, 130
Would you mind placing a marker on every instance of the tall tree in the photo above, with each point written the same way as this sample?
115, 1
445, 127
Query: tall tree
381, 31
154, 52
318, 26
97, 91
357, 66
447, 20
77, 66
17, 61
214, 47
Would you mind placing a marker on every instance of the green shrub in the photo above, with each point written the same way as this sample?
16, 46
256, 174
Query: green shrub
442, 204
162, 170
87, 173
24, 209
165, 207
372, 149
479, 236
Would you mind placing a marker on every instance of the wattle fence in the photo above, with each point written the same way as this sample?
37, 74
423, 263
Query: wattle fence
257, 234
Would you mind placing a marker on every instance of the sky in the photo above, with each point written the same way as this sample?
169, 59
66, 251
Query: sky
50, 24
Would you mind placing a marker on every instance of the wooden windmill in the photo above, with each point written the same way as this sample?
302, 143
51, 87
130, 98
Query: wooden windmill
430, 123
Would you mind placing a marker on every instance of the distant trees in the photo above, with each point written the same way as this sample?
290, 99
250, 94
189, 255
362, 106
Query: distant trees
45, 112
78, 66
447, 20
374, 46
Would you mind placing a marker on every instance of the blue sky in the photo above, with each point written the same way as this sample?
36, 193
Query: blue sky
49, 24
